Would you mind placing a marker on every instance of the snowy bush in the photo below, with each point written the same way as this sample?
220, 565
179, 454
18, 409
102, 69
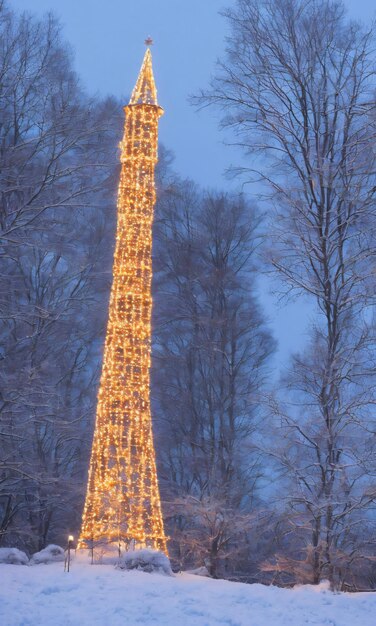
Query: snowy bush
50, 554
13, 556
146, 561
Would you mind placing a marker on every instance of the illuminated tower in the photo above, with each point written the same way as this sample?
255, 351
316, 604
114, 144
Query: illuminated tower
122, 503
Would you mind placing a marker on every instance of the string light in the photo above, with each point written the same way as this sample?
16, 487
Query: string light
122, 503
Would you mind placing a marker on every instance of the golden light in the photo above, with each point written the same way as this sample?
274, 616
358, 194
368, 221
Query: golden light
122, 503
70, 538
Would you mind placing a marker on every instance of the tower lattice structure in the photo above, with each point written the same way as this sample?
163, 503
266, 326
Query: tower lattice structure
122, 503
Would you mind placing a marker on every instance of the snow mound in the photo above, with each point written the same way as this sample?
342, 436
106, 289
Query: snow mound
13, 556
199, 571
322, 587
50, 554
146, 561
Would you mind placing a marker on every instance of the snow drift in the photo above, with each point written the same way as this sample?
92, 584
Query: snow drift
100, 595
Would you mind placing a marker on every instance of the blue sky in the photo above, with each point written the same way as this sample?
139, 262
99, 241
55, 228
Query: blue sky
107, 38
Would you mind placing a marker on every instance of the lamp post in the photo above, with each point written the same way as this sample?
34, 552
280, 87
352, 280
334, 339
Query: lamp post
70, 540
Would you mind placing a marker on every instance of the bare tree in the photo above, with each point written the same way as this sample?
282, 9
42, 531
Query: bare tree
57, 181
48, 148
210, 357
297, 90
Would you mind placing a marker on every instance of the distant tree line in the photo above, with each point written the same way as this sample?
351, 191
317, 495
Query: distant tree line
258, 483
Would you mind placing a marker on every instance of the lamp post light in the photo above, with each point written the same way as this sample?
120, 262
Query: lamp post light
70, 540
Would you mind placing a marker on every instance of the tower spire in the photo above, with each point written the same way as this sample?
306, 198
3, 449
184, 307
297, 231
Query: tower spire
145, 91
122, 503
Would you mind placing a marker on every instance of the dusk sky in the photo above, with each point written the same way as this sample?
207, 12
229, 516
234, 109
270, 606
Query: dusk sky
107, 38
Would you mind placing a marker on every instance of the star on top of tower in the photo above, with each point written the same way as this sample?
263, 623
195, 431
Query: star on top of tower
145, 91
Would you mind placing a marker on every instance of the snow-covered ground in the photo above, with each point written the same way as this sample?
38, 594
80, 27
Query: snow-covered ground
45, 595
